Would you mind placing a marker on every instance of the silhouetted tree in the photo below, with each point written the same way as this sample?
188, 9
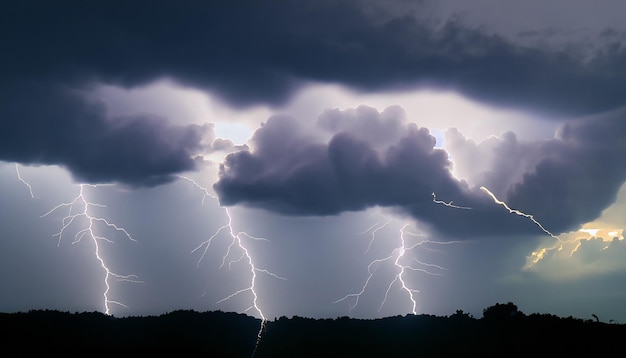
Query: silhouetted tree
459, 315
503, 330
596, 317
501, 312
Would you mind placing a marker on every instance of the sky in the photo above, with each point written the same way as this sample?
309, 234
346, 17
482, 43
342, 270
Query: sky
314, 158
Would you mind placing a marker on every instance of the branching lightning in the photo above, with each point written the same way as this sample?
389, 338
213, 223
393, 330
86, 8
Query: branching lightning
19, 177
82, 204
236, 244
401, 263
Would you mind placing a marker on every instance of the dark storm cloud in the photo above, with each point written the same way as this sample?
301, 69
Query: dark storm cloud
255, 51
578, 174
52, 124
251, 52
292, 172
563, 182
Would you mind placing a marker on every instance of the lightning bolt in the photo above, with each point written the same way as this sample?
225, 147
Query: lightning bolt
79, 209
574, 238
538, 255
517, 212
236, 244
373, 229
449, 204
401, 263
19, 177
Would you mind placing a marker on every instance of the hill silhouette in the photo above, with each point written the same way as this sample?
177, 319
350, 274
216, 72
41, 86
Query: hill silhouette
502, 331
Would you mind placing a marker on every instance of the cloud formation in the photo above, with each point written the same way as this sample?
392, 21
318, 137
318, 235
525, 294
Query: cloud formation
372, 159
380, 159
564, 181
52, 124
250, 52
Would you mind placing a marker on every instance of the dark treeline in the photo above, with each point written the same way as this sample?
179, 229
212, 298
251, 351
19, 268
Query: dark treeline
502, 331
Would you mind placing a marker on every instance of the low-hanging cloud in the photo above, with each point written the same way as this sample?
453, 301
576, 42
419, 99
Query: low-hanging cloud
579, 173
249, 53
47, 124
295, 172
562, 182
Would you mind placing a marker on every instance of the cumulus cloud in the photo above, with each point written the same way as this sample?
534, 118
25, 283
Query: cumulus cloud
563, 182
248, 53
496, 162
579, 174
292, 171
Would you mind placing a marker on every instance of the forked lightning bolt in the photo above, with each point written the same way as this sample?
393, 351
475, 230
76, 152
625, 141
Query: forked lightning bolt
82, 205
236, 243
398, 260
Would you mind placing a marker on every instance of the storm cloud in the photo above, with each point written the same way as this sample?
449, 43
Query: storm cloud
579, 173
52, 124
294, 172
55, 53
260, 52
563, 182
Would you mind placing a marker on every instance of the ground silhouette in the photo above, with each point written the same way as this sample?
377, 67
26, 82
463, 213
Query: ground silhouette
502, 330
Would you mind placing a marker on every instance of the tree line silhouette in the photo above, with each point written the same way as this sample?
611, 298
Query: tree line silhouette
502, 330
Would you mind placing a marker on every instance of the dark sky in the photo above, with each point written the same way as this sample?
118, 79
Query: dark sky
353, 142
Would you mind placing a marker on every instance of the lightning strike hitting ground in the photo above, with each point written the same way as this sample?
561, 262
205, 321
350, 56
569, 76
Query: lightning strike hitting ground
83, 205
19, 177
400, 265
236, 244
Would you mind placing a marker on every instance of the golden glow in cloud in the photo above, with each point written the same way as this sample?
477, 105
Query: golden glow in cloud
571, 242
570, 251
566, 243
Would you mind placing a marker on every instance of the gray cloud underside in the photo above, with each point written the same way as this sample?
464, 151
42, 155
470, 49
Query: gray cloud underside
46, 124
254, 51
563, 182
248, 52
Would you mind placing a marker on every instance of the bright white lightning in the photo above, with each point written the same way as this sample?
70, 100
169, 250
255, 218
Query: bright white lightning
83, 205
399, 258
538, 255
19, 177
517, 212
573, 238
373, 229
449, 204
236, 243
